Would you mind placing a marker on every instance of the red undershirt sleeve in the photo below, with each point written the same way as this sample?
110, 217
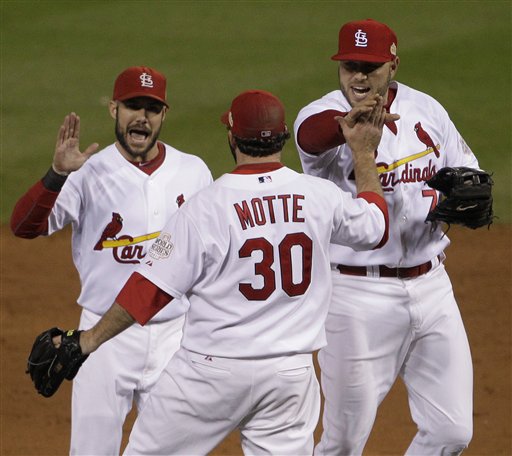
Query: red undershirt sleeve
373, 197
29, 218
141, 298
320, 132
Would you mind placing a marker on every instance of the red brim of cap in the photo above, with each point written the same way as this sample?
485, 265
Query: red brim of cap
361, 58
142, 94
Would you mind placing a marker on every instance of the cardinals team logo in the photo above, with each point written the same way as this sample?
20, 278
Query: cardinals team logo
146, 80
406, 169
425, 138
180, 200
111, 230
360, 39
126, 249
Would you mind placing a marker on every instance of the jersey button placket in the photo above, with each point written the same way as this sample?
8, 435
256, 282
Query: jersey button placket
153, 200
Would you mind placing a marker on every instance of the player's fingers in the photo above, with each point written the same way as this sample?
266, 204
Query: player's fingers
391, 117
376, 110
66, 126
341, 120
380, 117
357, 113
57, 341
72, 125
61, 135
91, 149
77, 127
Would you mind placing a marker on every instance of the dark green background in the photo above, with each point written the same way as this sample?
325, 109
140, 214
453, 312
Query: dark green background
61, 56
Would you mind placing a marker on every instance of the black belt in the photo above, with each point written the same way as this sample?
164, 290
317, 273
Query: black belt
384, 271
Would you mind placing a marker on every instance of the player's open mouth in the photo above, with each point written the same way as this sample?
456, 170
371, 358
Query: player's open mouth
138, 136
361, 90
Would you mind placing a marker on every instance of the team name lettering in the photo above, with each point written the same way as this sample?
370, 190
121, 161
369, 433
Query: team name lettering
409, 174
130, 254
268, 209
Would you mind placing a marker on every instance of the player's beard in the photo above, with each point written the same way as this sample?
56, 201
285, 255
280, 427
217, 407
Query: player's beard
120, 136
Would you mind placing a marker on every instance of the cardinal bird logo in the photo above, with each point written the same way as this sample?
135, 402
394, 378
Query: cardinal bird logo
425, 138
111, 230
180, 200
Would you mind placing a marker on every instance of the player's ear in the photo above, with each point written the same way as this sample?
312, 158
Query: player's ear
112, 107
394, 66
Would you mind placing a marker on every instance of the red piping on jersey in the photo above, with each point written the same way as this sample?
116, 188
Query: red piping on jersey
257, 168
152, 165
141, 298
380, 202
321, 132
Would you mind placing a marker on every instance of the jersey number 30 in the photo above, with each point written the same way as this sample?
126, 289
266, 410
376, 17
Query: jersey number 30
264, 267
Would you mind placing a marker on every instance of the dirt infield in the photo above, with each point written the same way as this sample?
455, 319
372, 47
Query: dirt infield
39, 286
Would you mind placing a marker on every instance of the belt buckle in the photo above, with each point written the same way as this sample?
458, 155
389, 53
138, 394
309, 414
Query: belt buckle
373, 271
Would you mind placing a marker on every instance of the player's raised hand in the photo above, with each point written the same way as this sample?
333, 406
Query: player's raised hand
363, 138
362, 126
364, 109
67, 157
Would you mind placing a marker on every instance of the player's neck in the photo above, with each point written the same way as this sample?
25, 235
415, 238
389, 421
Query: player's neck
243, 159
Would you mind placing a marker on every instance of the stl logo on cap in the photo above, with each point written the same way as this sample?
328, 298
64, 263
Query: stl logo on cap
361, 40
140, 81
366, 41
146, 80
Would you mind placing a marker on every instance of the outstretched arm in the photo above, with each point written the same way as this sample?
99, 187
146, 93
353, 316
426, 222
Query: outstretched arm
29, 218
138, 301
363, 132
113, 322
321, 131
362, 129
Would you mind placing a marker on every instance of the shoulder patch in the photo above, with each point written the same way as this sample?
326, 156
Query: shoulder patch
162, 247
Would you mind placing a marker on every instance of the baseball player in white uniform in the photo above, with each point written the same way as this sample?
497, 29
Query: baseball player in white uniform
116, 201
393, 311
250, 252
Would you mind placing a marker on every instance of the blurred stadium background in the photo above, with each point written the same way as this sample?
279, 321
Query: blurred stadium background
62, 56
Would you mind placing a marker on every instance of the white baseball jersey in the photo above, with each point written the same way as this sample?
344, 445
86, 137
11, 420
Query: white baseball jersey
378, 327
251, 254
116, 211
427, 140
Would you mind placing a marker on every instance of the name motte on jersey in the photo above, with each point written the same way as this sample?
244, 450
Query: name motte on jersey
270, 209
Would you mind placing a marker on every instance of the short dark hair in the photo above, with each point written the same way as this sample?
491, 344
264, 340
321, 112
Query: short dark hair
261, 147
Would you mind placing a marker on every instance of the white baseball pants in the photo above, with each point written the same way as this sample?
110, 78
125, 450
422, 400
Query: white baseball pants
120, 372
199, 400
379, 328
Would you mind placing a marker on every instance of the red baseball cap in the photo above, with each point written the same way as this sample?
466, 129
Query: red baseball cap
255, 114
140, 81
366, 41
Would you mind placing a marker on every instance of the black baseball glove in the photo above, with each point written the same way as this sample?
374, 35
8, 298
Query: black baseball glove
48, 365
467, 197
